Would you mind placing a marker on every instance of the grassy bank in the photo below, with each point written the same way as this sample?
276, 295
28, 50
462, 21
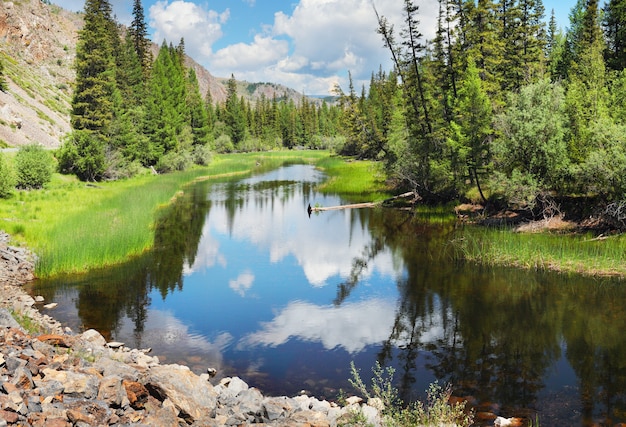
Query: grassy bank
568, 253
74, 226
359, 181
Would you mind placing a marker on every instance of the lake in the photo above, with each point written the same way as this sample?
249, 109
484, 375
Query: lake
243, 280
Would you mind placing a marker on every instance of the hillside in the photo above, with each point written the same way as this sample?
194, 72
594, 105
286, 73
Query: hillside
37, 48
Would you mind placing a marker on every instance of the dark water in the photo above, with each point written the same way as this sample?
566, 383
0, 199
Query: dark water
244, 281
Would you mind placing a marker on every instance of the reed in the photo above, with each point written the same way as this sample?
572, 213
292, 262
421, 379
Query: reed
569, 253
73, 226
356, 180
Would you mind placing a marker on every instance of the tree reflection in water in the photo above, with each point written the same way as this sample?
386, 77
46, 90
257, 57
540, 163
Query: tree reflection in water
497, 335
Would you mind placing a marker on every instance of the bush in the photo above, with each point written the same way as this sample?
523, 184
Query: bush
33, 166
202, 155
83, 154
7, 180
174, 161
223, 144
436, 412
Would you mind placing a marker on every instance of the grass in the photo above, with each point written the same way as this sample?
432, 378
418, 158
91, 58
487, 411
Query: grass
568, 253
360, 181
74, 227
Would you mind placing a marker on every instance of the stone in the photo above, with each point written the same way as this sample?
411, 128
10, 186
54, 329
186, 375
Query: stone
113, 392
187, 391
50, 306
136, 393
75, 384
54, 340
6, 320
23, 379
93, 337
115, 344
9, 417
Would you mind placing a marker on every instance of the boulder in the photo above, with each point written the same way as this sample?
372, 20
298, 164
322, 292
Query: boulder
189, 394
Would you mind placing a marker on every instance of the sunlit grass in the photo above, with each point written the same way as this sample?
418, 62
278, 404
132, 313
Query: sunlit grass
362, 181
570, 253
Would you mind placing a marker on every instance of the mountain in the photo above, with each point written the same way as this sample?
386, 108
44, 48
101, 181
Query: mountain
37, 49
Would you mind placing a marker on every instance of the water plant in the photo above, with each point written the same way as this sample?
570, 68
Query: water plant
570, 253
436, 411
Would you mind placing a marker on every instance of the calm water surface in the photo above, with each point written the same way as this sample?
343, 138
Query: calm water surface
243, 280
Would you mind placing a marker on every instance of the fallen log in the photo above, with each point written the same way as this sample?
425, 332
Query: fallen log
311, 209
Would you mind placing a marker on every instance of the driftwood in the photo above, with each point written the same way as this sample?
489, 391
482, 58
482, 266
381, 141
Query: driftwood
311, 209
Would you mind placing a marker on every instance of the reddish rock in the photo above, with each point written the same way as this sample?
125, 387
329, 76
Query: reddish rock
54, 339
9, 417
136, 392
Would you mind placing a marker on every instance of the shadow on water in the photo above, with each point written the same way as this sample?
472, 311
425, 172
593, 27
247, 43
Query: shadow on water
513, 342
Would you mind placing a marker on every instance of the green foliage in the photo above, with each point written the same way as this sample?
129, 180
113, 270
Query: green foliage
33, 166
4, 86
531, 145
7, 180
83, 154
174, 161
436, 411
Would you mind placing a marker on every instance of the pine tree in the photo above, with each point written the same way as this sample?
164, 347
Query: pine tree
199, 120
615, 31
138, 32
95, 84
235, 118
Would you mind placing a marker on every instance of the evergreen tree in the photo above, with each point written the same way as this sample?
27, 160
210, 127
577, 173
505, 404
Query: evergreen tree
199, 121
235, 118
615, 31
3, 82
587, 94
138, 33
471, 130
92, 103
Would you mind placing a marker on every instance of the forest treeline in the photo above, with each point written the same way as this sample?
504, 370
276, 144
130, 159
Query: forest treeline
501, 107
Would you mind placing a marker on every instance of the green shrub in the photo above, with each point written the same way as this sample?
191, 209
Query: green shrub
83, 154
174, 161
33, 166
202, 155
223, 144
7, 180
436, 412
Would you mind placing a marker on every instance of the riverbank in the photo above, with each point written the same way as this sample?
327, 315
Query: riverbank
50, 376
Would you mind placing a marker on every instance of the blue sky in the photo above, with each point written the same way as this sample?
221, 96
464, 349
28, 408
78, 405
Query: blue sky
308, 45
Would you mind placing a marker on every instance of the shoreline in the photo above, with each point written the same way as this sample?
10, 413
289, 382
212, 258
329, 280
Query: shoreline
55, 377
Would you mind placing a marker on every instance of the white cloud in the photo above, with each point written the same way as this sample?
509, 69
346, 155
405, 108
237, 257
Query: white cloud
350, 326
199, 27
262, 52
242, 283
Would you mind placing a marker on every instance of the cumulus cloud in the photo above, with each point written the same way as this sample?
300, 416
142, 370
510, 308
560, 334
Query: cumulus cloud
242, 283
350, 326
199, 27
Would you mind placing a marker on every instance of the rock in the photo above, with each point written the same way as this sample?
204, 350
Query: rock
6, 320
188, 393
50, 306
136, 393
54, 339
75, 384
93, 337
115, 344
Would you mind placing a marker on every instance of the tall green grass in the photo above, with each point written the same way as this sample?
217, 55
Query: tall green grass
362, 181
73, 226
569, 253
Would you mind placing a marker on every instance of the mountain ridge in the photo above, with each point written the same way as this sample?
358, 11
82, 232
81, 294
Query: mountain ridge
38, 47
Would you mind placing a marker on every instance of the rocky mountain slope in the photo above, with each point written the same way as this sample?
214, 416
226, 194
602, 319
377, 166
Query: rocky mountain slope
37, 49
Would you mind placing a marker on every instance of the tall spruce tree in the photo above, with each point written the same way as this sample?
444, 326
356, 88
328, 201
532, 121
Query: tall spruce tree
138, 32
95, 84
235, 116
615, 31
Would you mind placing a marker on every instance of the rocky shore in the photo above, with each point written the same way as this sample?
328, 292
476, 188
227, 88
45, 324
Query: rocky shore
55, 377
